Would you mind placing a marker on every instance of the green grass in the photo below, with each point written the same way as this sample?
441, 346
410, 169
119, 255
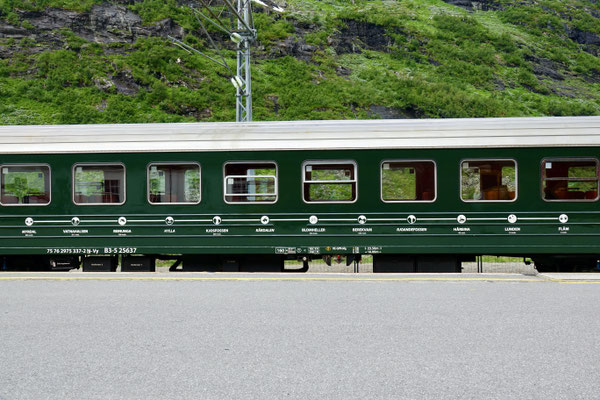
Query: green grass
442, 61
501, 259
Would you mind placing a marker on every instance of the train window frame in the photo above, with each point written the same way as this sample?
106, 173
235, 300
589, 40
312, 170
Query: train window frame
225, 177
329, 162
407, 161
30, 204
460, 187
563, 159
98, 164
168, 163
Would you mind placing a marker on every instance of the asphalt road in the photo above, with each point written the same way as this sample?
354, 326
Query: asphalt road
219, 336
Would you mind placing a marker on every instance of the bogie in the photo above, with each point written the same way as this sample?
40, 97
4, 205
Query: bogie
400, 263
566, 263
28, 262
232, 263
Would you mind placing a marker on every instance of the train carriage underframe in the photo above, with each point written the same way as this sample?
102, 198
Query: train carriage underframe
382, 263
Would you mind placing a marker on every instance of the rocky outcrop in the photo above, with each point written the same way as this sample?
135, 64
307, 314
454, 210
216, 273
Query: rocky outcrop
545, 68
357, 35
470, 5
590, 41
583, 37
383, 112
125, 83
293, 46
104, 23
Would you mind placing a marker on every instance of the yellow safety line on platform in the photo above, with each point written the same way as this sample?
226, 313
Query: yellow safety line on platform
234, 278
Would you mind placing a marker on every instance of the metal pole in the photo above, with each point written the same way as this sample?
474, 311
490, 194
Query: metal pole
244, 93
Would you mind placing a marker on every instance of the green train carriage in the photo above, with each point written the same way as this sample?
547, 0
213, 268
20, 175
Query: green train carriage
418, 195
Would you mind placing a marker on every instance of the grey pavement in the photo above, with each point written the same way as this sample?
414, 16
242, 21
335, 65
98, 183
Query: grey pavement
571, 276
273, 336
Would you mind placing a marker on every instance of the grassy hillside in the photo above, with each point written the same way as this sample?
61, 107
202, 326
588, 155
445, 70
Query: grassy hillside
63, 61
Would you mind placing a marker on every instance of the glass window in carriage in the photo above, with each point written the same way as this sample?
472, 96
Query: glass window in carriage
488, 180
174, 183
250, 182
96, 184
573, 179
25, 185
329, 181
407, 181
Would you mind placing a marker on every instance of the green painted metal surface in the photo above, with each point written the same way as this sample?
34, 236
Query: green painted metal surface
447, 225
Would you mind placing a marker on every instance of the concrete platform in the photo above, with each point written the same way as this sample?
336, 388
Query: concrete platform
336, 336
223, 276
287, 276
575, 276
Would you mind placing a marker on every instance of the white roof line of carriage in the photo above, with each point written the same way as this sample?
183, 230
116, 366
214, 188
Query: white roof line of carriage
303, 135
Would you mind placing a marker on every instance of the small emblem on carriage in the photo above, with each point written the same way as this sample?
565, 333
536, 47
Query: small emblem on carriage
217, 220
169, 220
122, 221
75, 221
264, 220
362, 219
313, 219
563, 218
512, 218
411, 219
28, 221
461, 219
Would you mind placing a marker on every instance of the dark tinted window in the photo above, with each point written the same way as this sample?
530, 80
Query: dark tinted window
329, 182
250, 182
488, 180
570, 180
99, 184
408, 181
25, 185
174, 183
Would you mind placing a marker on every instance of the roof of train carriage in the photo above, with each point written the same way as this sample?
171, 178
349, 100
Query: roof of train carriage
302, 135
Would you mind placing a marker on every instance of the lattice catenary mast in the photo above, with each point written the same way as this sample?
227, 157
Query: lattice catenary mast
241, 31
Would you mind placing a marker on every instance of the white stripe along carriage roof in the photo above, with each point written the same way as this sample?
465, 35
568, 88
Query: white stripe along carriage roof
303, 135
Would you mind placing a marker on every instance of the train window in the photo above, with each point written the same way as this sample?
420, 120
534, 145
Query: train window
174, 183
329, 181
25, 185
407, 181
570, 179
99, 184
488, 180
250, 182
